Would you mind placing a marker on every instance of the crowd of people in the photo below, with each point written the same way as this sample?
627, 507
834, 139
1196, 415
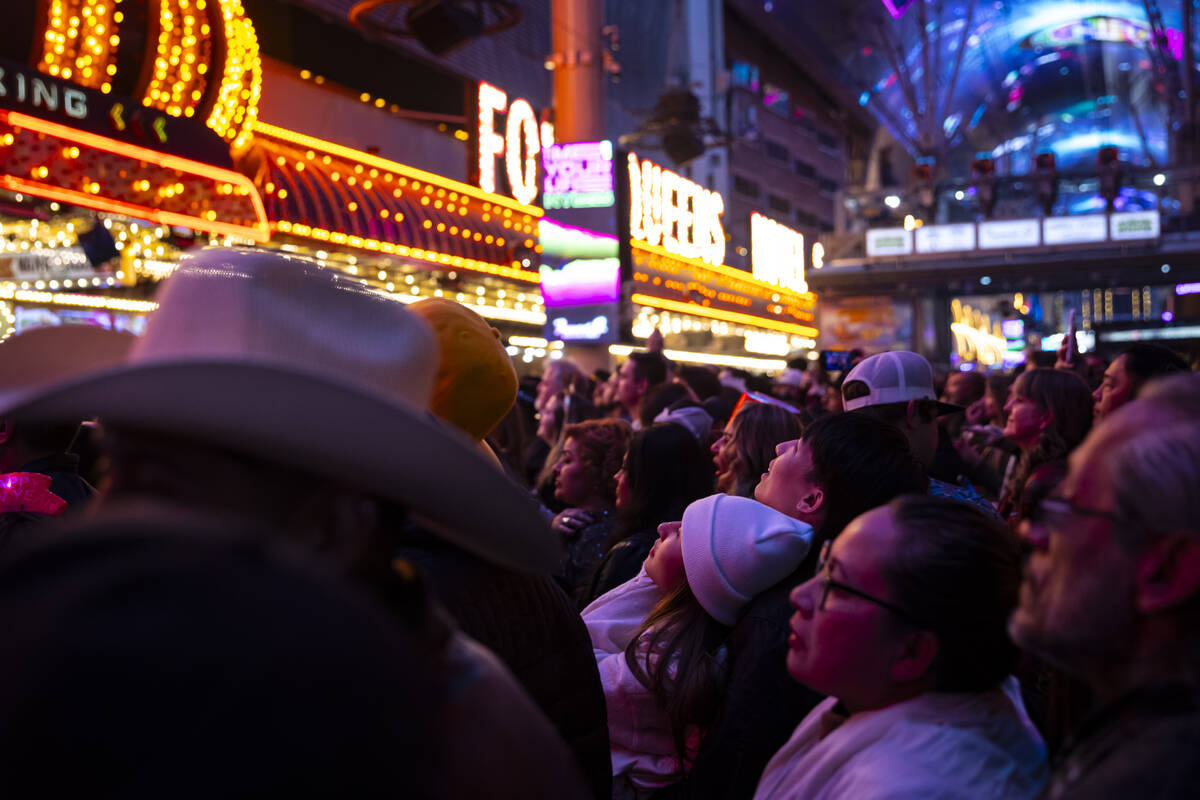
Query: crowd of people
337, 548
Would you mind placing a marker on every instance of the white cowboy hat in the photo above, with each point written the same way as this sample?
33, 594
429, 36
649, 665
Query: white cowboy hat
278, 358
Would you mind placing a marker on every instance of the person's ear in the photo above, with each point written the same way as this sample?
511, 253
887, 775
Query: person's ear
916, 656
912, 414
1168, 573
6, 430
812, 502
1047, 418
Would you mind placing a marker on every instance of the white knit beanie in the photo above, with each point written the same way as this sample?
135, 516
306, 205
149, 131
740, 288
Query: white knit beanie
734, 548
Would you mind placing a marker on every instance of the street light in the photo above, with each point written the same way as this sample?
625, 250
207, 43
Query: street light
892, 201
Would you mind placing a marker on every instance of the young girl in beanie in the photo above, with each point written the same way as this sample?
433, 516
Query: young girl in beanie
659, 639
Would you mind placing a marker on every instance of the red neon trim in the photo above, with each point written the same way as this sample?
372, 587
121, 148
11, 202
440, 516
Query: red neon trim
130, 209
164, 160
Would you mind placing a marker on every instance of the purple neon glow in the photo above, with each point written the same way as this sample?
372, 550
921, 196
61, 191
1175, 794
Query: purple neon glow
1187, 288
585, 281
1167, 316
893, 10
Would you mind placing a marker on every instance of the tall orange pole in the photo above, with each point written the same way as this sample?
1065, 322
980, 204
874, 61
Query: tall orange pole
578, 70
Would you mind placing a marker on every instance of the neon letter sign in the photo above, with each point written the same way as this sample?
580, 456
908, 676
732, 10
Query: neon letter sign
777, 253
520, 145
668, 210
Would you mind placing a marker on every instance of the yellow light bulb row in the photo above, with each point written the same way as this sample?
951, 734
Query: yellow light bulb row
236, 109
81, 41
178, 82
374, 245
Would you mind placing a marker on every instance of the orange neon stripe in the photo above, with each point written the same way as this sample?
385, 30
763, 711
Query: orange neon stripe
731, 272
164, 160
130, 209
313, 143
723, 315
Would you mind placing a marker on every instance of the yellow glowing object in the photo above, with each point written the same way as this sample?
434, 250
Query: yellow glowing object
236, 107
80, 41
777, 253
740, 362
723, 315
402, 171
669, 210
375, 245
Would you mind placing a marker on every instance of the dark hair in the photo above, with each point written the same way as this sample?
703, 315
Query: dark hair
43, 437
978, 383
957, 571
659, 398
1065, 395
860, 463
666, 470
702, 380
679, 632
757, 430
649, 367
1044, 359
720, 407
1144, 361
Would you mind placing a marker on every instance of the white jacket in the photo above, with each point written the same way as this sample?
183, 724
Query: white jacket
935, 747
639, 732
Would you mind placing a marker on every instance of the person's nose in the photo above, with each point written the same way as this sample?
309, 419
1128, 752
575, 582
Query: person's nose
783, 446
666, 528
1096, 395
802, 598
1034, 535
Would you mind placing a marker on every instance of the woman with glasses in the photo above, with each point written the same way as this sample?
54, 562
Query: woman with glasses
904, 627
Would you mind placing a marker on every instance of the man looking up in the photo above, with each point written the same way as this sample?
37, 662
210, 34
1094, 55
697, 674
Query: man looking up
637, 376
1112, 595
897, 388
1130, 371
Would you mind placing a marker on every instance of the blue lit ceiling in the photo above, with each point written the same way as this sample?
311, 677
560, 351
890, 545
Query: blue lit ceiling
1066, 76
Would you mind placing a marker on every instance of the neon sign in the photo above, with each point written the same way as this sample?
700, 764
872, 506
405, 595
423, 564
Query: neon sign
777, 253
670, 211
578, 175
520, 145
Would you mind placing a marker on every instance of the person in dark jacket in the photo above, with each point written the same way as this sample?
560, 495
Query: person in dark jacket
1111, 593
846, 464
236, 403
664, 471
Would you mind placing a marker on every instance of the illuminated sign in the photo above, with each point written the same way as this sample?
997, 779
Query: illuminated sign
945, 238
1187, 288
1134, 225
667, 282
770, 344
520, 144
591, 330
1074, 230
1003, 234
777, 253
889, 242
39, 92
669, 211
582, 282
578, 175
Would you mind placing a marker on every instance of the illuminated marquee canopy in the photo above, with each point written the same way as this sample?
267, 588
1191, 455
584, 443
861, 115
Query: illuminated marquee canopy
331, 193
670, 211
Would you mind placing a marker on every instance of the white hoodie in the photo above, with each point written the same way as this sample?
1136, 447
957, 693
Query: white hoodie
937, 746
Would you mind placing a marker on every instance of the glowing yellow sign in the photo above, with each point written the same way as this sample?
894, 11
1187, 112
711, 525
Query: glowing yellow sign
777, 253
520, 145
670, 211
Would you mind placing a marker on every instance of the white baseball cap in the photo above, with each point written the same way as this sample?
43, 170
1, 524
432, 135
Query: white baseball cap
894, 377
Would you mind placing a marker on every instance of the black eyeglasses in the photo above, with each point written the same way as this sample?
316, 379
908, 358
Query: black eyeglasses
1052, 510
828, 584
